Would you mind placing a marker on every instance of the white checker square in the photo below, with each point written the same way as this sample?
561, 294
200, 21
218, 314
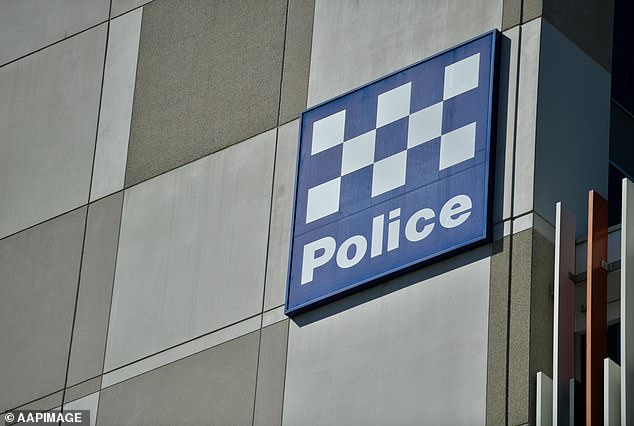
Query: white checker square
323, 200
425, 125
358, 152
389, 173
457, 146
393, 104
328, 132
461, 76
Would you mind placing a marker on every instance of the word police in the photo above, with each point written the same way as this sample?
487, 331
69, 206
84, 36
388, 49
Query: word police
418, 227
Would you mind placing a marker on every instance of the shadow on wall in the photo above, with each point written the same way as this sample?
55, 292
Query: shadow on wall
392, 285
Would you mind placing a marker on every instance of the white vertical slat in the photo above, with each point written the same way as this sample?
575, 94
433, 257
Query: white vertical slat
611, 393
627, 304
563, 323
544, 400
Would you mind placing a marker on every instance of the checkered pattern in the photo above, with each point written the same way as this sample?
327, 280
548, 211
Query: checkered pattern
424, 125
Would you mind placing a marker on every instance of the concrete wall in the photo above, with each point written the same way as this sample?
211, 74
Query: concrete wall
147, 170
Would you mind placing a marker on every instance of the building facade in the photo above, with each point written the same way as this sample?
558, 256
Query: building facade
148, 154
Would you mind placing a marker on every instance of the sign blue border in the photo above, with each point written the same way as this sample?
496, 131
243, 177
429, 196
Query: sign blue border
489, 166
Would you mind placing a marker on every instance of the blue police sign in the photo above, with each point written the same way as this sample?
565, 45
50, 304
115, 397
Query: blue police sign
393, 174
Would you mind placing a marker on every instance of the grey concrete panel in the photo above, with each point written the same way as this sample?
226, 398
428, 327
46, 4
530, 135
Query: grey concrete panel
39, 274
95, 289
281, 215
519, 335
498, 321
271, 371
505, 138
410, 349
573, 123
208, 76
214, 387
49, 104
28, 25
511, 13
299, 32
588, 23
357, 42
88, 402
113, 134
192, 251
44, 404
523, 184
120, 7
82, 389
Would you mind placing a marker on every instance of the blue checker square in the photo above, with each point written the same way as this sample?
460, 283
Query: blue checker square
394, 175
391, 139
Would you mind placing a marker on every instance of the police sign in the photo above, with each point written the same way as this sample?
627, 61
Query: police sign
393, 174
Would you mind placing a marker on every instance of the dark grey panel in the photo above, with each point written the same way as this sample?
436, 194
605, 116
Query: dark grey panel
511, 13
621, 146
213, 387
498, 320
208, 76
588, 23
573, 122
271, 373
299, 36
95, 289
39, 272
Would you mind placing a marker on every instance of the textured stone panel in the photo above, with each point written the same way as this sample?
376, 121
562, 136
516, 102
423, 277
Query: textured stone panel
208, 76
519, 381
498, 321
299, 32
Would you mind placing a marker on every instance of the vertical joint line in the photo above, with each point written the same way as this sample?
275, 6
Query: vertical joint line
512, 205
268, 241
83, 244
